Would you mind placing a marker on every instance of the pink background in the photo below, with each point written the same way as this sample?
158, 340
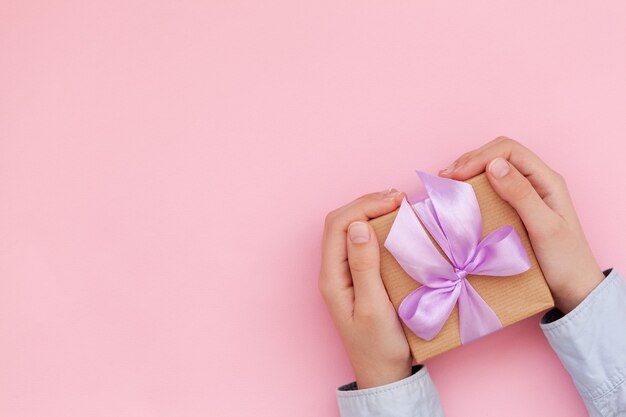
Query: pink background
165, 168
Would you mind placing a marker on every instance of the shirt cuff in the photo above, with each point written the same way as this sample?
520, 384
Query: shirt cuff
414, 396
591, 341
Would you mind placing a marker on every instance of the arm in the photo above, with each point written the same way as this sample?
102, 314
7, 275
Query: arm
591, 343
588, 327
350, 282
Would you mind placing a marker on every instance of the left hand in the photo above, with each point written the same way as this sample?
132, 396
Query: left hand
351, 285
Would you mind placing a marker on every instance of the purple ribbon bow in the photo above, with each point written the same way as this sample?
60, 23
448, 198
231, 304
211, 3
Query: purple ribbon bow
451, 214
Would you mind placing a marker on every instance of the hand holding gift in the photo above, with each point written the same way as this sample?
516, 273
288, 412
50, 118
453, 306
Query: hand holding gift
540, 197
350, 279
354, 293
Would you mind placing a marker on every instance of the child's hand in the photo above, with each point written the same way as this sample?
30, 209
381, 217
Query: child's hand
354, 293
540, 197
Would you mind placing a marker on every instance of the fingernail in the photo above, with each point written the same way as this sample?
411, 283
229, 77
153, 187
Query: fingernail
391, 192
449, 169
359, 232
499, 167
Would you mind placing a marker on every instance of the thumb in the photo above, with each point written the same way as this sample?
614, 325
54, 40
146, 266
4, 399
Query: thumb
514, 188
364, 260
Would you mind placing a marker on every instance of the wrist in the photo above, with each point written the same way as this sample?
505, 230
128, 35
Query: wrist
376, 376
569, 296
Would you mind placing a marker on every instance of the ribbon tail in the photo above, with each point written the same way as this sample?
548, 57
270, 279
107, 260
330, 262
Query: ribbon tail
425, 310
476, 318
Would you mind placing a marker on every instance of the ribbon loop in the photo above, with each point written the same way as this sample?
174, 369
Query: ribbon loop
451, 214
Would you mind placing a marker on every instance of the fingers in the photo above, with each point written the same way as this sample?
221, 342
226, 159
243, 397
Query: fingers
541, 176
335, 282
369, 206
364, 260
514, 188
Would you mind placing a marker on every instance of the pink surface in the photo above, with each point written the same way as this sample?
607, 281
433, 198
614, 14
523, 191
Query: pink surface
165, 168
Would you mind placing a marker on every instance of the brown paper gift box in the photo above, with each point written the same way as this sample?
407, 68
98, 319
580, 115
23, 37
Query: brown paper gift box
512, 298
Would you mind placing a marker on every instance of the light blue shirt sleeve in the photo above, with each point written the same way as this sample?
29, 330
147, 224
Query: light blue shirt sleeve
415, 396
590, 341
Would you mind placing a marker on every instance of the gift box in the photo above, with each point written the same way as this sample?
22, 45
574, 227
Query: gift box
503, 298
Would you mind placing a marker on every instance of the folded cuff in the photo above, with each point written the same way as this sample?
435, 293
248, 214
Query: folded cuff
414, 396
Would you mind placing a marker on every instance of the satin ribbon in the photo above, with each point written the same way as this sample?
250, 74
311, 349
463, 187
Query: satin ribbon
451, 215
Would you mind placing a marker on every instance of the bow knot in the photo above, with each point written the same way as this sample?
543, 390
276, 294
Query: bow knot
451, 214
461, 273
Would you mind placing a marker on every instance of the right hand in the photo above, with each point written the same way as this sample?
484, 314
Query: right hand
540, 196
